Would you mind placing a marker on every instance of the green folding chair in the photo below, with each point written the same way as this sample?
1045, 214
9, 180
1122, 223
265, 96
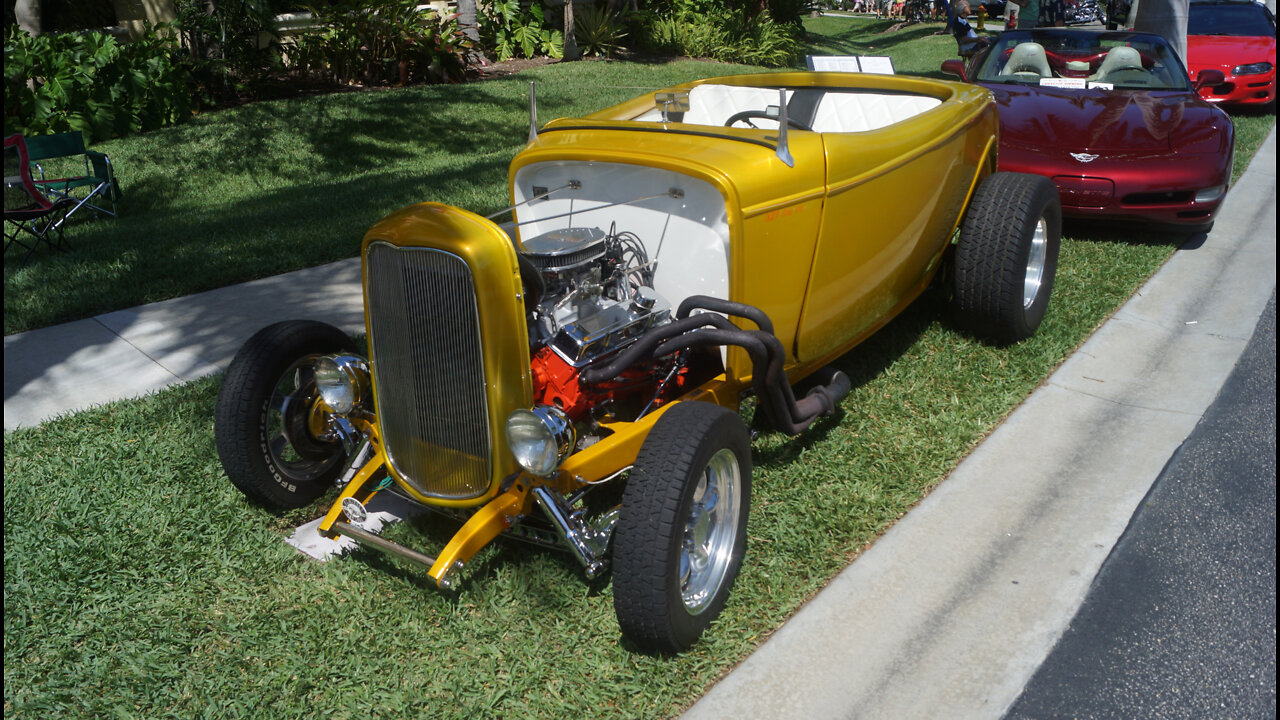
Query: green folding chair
30, 219
98, 179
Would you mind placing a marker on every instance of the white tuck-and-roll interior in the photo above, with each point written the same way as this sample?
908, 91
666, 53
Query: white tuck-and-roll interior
824, 110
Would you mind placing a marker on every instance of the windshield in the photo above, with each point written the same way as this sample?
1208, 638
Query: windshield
1078, 59
1236, 20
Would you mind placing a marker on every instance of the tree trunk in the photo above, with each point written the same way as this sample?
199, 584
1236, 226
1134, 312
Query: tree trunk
469, 24
1167, 18
570, 42
30, 16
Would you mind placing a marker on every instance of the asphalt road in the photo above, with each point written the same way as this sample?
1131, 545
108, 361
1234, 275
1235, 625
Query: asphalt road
1181, 620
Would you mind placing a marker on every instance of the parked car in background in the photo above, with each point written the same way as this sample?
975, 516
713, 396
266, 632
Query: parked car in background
1237, 37
1112, 119
573, 378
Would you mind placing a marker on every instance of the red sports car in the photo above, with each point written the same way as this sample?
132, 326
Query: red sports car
1237, 37
1112, 119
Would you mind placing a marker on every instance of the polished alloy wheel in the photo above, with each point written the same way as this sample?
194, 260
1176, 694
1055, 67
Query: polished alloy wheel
293, 423
710, 529
1035, 263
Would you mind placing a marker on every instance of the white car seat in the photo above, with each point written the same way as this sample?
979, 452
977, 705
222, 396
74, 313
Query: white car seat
1027, 62
1122, 64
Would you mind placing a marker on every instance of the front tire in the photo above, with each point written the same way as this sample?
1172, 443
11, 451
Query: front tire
267, 419
1007, 256
682, 533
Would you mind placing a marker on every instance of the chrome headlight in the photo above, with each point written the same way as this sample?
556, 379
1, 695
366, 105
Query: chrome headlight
1251, 69
343, 381
540, 439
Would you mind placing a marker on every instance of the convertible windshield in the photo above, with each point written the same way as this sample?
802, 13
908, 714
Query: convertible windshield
1076, 59
1236, 20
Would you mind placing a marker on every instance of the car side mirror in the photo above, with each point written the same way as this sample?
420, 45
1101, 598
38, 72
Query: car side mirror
1209, 78
955, 67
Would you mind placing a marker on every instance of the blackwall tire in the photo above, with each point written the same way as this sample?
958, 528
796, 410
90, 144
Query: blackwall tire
1007, 256
262, 425
680, 539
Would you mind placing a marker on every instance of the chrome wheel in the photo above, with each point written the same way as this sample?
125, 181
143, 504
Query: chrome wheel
293, 423
710, 531
1035, 263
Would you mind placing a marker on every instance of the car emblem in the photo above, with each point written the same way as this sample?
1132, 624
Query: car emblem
1084, 157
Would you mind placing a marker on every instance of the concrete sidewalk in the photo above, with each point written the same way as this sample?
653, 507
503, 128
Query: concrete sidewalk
952, 611
127, 353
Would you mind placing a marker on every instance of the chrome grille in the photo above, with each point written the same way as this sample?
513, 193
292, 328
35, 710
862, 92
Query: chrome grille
424, 340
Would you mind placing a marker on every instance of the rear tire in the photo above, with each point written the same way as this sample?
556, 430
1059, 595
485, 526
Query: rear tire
1007, 256
265, 420
680, 539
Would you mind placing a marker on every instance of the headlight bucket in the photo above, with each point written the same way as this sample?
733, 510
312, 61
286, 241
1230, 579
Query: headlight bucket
540, 438
342, 381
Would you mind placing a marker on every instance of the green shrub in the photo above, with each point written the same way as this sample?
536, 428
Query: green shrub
510, 30
382, 42
228, 41
91, 83
725, 35
598, 32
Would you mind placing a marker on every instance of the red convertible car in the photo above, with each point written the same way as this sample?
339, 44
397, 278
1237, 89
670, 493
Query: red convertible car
1237, 37
1112, 119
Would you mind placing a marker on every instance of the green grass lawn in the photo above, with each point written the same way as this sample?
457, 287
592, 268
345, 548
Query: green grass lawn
139, 583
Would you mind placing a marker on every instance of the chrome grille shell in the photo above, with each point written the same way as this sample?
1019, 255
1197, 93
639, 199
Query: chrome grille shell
448, 349
424, 336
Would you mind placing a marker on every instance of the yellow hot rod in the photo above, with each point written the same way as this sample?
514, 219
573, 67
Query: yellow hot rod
573, 376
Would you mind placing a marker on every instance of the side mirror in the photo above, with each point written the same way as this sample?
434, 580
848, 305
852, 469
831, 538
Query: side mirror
672, 102
1209, 78
956, 67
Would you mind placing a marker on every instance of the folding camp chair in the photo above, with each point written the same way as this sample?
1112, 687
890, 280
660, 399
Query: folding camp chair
98, 177
26, 210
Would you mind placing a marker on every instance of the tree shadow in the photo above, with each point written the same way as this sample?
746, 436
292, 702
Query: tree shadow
863, 364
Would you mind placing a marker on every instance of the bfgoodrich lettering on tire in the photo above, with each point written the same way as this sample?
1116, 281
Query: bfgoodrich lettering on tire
266, 421
681, 535
1007, 256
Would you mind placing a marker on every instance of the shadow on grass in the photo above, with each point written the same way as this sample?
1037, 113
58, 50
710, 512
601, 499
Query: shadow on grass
862, 364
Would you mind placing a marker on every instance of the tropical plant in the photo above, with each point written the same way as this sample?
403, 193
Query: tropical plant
382, 42
723, 34
226, 39
511, 30
598, 31
92, 83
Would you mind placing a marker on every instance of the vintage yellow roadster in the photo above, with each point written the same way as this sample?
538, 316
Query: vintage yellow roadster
573, 376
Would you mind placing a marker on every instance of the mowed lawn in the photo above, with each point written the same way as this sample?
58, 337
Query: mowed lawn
140, 584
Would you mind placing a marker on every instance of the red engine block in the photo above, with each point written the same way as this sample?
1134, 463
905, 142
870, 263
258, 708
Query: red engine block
555, 382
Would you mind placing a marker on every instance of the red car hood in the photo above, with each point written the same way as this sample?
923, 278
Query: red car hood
1222, 52
1109, 120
